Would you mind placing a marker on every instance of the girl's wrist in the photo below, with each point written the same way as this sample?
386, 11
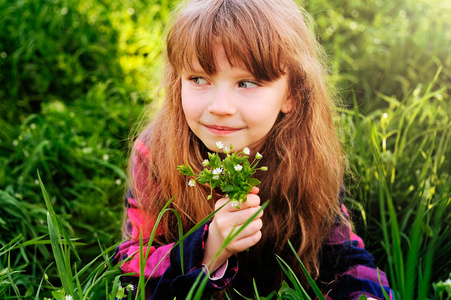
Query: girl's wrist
219, 273
212, 245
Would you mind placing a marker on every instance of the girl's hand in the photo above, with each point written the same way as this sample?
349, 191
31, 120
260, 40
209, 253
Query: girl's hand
230, 218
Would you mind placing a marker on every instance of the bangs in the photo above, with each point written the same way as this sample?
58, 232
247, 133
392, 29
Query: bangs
247, 34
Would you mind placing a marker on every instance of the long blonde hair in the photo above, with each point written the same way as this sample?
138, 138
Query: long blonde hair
302, 150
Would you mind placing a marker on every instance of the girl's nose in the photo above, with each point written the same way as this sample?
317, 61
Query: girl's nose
222, 103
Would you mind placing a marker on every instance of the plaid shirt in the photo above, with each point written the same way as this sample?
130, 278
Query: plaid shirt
344, 261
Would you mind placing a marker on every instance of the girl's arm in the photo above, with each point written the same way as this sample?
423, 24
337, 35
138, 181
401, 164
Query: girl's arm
204, 245
139, 226
163, 266
226, 220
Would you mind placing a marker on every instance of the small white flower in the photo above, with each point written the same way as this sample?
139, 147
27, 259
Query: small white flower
69, 297
226, 150
118, 181
238, 167
246, 151
234, 203
219, 145
448, 282
130, 287
105, 157
205, 163
131, 11
217, 171
15, 143
192, 182
258, 156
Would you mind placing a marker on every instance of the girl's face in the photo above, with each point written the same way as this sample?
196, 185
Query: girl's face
231, 106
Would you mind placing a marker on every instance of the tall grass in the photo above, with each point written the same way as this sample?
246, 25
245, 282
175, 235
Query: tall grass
399, 159
384, 47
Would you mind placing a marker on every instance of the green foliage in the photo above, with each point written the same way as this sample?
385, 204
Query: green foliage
381, 47
52, 52
231, 174
403, 186
66, 111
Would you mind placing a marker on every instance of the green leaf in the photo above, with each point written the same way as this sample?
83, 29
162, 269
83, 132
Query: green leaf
229, 166
254, 182
228, 188
58, 295
307, 275
184, 170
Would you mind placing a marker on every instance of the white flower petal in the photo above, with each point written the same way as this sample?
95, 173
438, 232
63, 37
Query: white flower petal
234, 203
219, 145
246, 151
238, 167
217, 171
192, 182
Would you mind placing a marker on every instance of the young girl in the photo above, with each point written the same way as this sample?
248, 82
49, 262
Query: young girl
245, 73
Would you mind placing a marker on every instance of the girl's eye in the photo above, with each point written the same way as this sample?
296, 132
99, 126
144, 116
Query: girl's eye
199, 80
248, 84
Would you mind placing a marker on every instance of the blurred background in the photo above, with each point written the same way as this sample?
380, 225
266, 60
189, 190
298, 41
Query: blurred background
76, 76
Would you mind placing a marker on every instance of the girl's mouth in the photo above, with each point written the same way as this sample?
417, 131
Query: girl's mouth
221, 130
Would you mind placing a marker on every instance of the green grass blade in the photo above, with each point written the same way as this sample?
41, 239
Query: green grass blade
55, 239
202, 285
380, 283
40, 284
88, 265
300, 291
380, 174
257, 296
312, 282
58, 256
9, 273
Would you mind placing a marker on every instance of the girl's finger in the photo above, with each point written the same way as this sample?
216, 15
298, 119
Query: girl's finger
237, 218
252, 200
250, 229
255, 190
250, 235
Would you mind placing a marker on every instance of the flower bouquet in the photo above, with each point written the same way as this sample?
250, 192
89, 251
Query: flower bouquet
232, 174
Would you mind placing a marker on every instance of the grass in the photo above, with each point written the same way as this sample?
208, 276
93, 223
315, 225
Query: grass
77, 74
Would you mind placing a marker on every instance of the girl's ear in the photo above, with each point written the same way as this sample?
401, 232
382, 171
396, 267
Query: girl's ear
287, 106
